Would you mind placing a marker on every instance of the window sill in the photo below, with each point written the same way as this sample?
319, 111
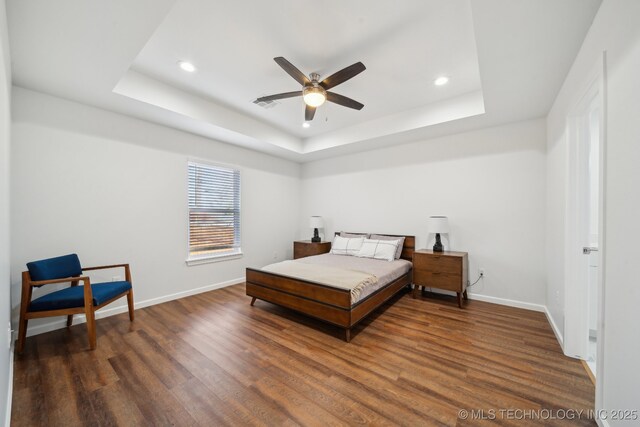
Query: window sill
213, 258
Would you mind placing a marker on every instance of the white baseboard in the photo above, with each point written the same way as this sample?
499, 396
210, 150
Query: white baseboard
106, 312
526, 305
509, 302
7, 419
554, 327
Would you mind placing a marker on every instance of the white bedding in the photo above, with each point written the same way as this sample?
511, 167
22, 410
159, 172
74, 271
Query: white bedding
385, 271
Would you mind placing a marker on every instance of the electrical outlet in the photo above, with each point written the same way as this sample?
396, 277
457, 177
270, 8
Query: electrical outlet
481, 272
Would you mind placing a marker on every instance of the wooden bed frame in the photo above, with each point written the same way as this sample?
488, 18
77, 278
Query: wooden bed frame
331, 305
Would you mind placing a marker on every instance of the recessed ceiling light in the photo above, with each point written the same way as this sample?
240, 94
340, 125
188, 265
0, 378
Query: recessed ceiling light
187, 66
306, 125
441, 81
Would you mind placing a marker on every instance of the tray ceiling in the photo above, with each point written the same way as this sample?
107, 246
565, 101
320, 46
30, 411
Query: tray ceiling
505, 60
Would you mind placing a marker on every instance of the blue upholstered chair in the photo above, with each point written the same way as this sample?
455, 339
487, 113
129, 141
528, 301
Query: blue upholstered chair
76, 299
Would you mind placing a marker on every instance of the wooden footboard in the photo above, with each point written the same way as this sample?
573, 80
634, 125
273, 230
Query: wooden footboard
331, 305
319, 301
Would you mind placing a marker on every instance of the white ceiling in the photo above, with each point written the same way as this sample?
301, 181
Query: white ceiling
506, 60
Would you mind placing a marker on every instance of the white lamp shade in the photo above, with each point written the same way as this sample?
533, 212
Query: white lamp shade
438, 224
316, 222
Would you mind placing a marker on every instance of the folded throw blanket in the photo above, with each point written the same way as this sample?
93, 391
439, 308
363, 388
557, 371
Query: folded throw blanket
340, 278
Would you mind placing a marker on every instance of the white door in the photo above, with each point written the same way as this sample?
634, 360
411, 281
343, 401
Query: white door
590, 192
584, 224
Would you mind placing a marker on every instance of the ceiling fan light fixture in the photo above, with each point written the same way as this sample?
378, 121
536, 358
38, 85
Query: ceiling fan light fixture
314, 96
313, 91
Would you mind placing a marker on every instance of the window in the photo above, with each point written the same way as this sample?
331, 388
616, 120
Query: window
214, 211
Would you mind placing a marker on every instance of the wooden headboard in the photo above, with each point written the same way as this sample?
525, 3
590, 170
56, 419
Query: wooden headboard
407, 248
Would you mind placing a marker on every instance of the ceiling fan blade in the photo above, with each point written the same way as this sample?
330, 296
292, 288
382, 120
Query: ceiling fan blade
344, 101
292, 70
309, 112
343, 75
279, 96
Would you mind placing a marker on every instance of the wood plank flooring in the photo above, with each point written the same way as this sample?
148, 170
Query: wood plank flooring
212, 359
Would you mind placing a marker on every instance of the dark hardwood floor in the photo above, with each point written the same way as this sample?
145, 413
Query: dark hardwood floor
211, 359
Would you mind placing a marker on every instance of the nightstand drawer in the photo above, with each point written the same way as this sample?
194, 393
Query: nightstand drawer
430, 279
438, 263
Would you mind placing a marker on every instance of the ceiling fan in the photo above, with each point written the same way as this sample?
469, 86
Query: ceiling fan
315, 92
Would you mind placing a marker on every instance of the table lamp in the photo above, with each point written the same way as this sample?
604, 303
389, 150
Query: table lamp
316, 222
437, 225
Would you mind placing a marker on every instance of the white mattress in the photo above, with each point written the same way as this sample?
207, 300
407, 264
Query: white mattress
385, 271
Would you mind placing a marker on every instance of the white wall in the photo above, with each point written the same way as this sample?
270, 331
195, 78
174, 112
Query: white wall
490, 183
114, 189
5, 297
616, 30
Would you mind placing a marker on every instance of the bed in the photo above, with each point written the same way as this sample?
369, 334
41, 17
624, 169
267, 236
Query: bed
326, 302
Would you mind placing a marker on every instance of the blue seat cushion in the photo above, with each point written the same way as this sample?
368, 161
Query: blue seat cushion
55, 268
73, 297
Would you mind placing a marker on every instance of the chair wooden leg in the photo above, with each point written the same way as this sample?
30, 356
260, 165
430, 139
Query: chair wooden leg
130, 302
70, 317
22, 334
91, 328
25, 300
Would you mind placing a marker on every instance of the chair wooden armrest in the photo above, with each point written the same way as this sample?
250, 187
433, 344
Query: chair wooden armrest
85, 279
127, 271
103, 267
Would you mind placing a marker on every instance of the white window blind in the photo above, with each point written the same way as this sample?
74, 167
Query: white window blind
214, 211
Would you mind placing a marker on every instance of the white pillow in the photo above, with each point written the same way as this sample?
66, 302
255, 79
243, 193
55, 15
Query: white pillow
383, 237
346, 246
378, 249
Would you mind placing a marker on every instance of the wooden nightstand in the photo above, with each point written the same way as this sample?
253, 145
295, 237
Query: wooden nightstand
304, 248
442, 270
